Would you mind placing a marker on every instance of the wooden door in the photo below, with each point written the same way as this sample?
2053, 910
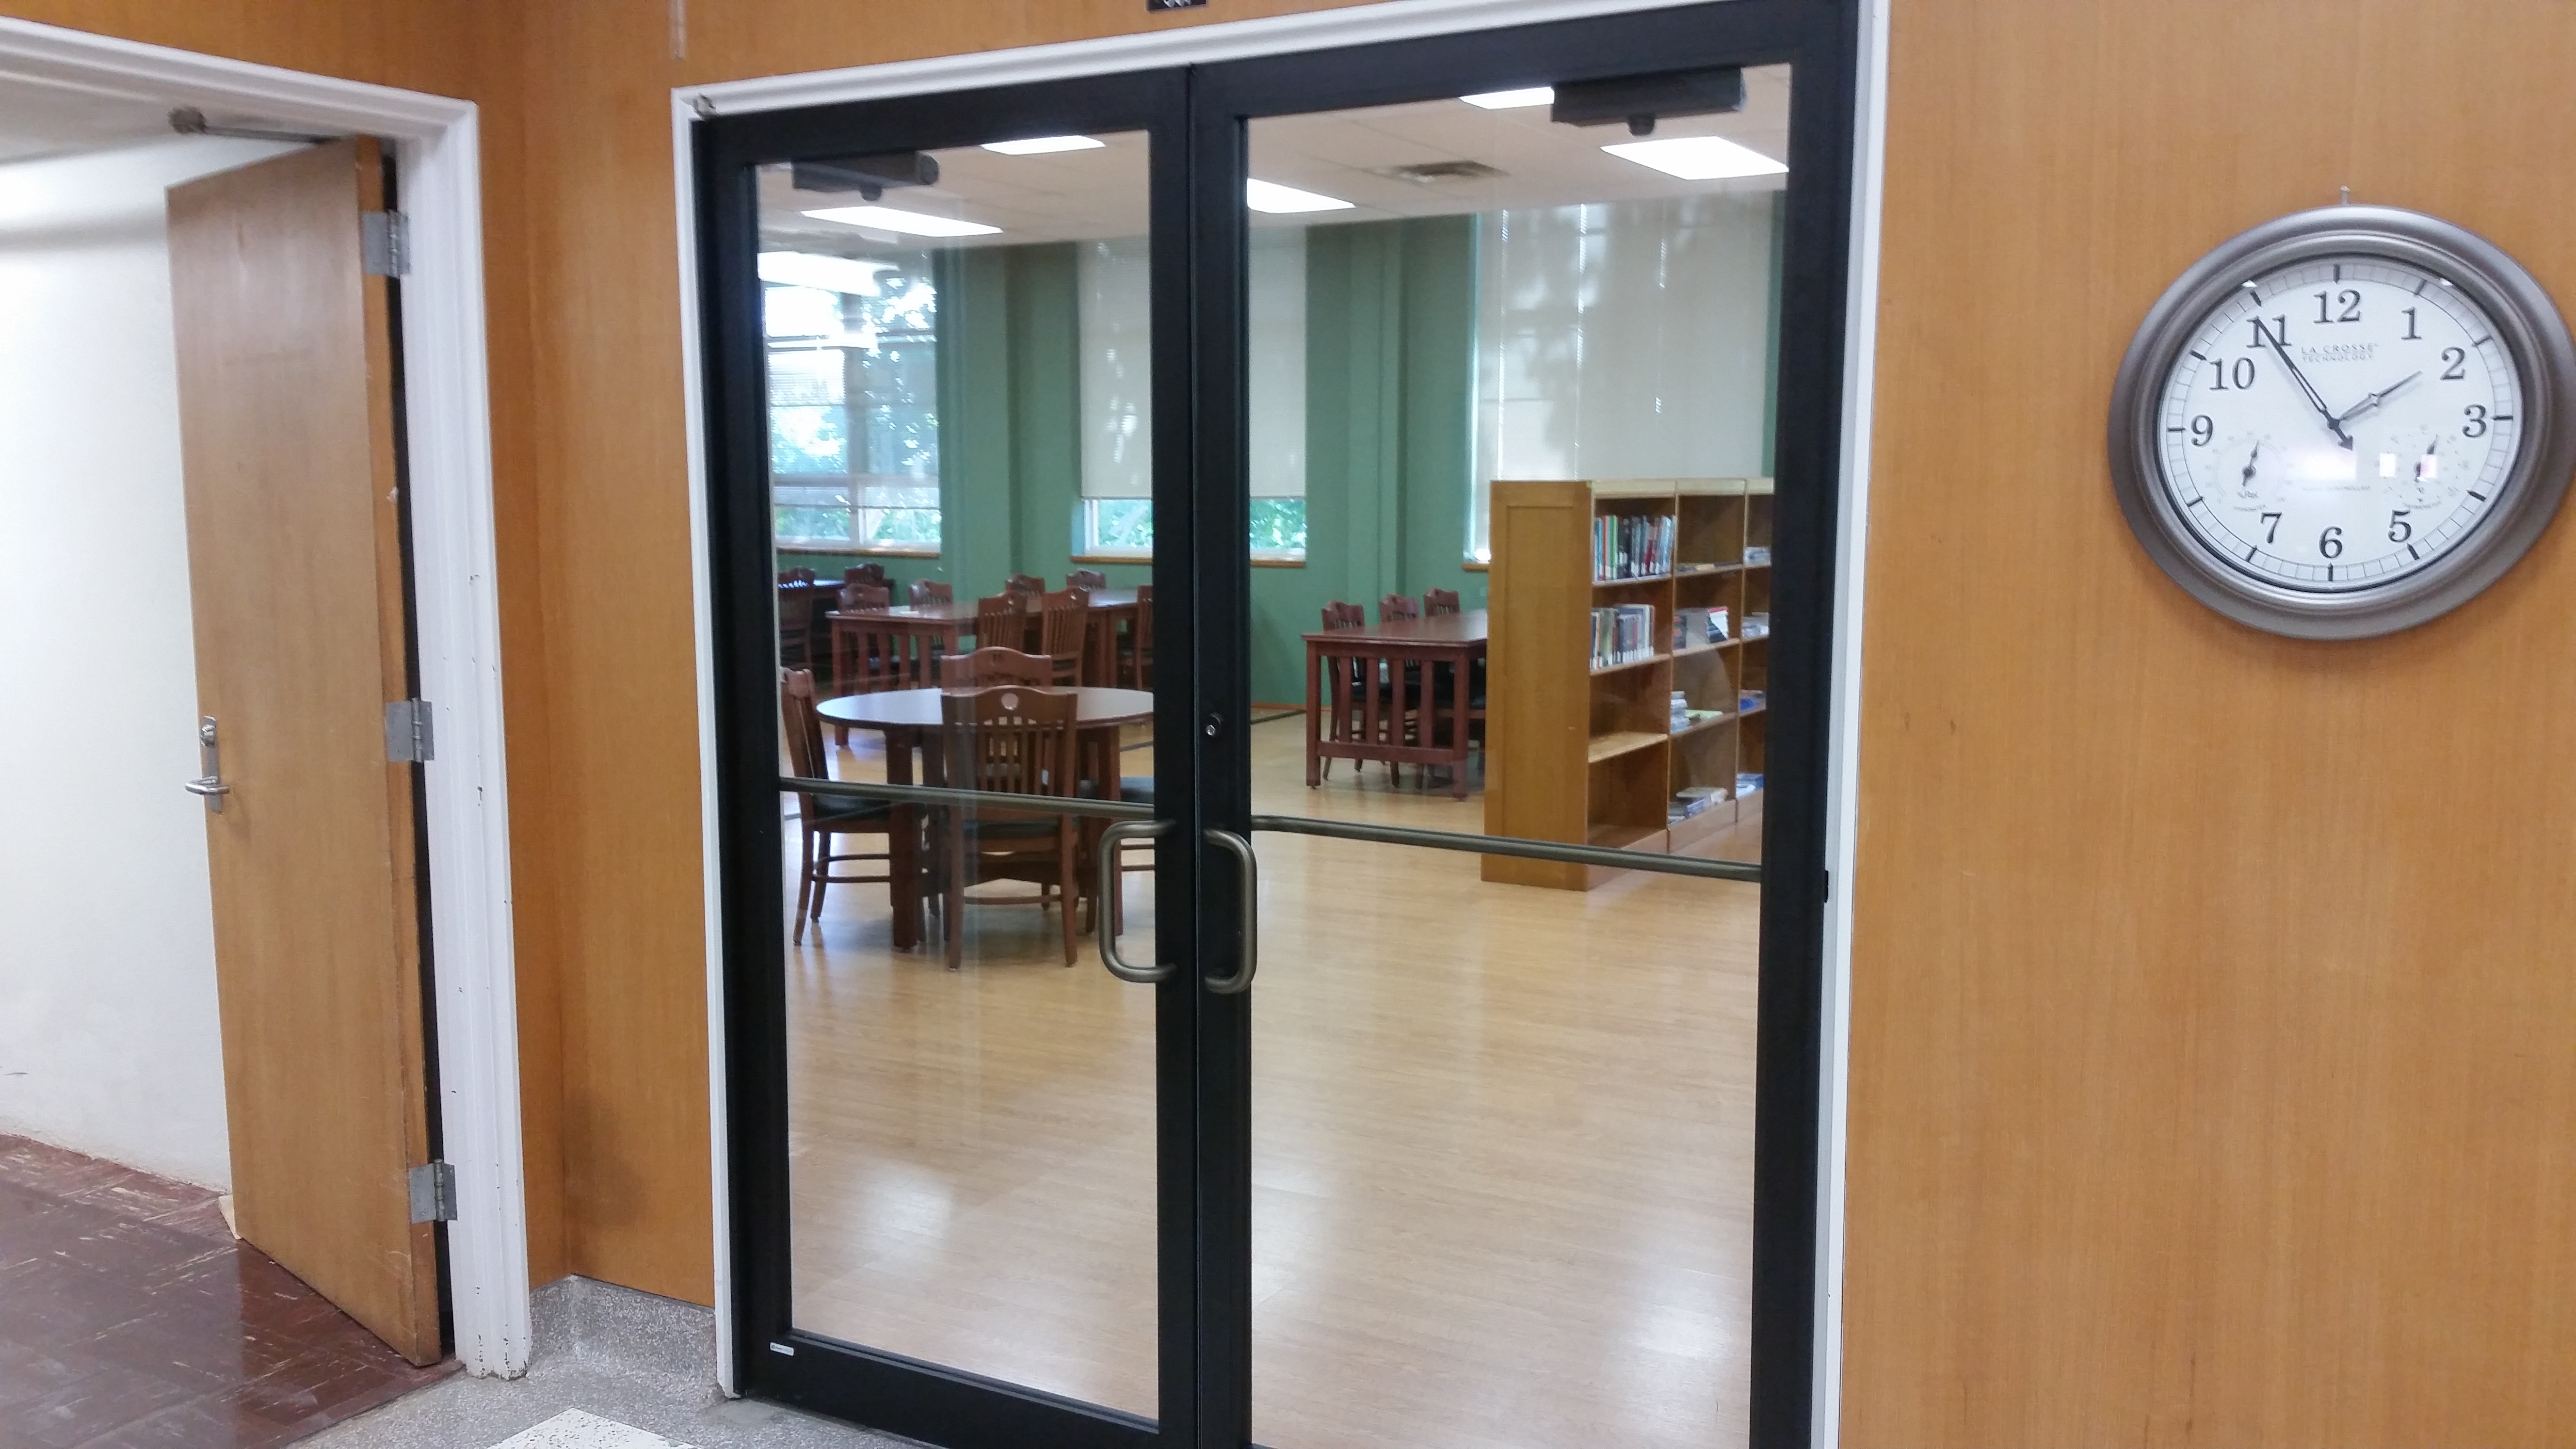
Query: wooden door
287, 404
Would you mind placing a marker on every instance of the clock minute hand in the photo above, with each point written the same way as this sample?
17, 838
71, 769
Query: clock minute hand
2375, 399
2333, 424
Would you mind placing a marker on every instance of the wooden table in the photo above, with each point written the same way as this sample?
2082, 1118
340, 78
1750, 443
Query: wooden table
946, 624
910, 720
1359, 706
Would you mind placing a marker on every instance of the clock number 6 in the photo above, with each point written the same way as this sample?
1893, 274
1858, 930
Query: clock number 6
2330, 543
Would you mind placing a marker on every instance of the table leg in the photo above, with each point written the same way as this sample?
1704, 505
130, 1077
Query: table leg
1458, 730
904, 853
1314, 718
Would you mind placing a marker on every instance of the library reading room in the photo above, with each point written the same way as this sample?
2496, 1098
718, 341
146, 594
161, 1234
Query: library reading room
1509, 375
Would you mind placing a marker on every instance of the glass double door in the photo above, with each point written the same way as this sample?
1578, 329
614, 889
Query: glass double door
1248, 737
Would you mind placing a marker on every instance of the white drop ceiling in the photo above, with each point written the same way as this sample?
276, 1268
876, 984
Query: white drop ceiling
1089, 195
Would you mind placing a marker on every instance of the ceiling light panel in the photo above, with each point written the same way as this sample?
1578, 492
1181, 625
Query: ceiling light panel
1044, 145
909, 223
1698, 158
1513, 100
1278, 200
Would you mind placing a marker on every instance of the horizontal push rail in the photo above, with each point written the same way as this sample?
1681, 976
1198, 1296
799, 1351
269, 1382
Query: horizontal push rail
972, 799
1692, 865
1512, 845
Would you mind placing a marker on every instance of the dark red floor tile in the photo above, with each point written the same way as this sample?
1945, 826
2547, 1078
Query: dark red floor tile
131, 1319
88, 1407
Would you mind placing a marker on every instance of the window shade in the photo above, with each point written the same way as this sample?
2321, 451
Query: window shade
1117, 400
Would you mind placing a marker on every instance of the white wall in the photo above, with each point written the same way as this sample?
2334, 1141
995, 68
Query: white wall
108, 1036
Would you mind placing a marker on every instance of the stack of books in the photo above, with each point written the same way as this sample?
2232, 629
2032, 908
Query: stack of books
1757, 626
1747, 783
1623, 635
1749, 699
1691, 801
1632, 546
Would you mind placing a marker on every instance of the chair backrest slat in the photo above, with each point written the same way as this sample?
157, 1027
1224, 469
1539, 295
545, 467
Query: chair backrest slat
995, 665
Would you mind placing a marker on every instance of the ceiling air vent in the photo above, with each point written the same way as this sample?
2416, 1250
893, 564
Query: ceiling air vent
1433, 173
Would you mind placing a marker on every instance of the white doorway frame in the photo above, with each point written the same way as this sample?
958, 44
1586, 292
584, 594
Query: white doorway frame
456, 600
1317, 30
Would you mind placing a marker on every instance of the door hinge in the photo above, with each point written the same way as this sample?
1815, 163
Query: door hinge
409, 737
384, 240
433, 1193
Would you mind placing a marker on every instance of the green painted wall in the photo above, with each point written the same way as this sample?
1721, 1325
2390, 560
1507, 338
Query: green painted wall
1390, 359
1390, 445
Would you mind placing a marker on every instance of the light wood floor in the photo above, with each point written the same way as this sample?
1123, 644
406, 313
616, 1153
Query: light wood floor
1503, 1144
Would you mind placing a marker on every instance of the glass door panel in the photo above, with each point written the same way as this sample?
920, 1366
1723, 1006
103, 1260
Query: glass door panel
960, 465
1502, 1106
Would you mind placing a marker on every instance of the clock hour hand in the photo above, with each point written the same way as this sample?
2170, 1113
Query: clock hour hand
2333, 424
2372, 401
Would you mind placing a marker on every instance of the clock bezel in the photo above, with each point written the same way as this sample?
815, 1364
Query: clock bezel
2536, 344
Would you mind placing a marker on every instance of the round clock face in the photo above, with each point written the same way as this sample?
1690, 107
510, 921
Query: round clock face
2344, 422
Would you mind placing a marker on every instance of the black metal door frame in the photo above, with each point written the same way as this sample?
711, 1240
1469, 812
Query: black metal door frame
1196, 119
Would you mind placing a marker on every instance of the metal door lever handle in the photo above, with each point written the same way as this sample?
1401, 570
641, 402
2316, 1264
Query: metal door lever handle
209, 785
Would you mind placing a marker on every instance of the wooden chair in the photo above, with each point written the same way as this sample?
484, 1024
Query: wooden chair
824, 818
932, 591
1342, 691
796, 614
1003, 619
1024, 584
1397, 606
1437, 603
1136, 657
869, 656
987, 667
1063, 622
1010, 740
1086, 579
871, 574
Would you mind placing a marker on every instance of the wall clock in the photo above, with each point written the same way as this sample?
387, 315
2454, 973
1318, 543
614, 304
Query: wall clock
2345, 422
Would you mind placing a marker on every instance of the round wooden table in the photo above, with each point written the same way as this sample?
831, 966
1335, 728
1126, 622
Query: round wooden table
910, 720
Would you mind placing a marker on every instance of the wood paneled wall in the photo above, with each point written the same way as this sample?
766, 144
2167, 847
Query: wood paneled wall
2214, 1036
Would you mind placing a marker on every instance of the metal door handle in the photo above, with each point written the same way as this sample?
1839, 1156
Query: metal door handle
209, 785
1111, 839
1249, 868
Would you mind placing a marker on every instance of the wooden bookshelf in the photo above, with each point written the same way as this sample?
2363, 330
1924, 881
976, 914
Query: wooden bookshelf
1586, 753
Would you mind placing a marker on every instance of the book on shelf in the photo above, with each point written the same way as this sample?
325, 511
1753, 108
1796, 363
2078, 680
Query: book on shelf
1694, 627
1748, 782
1631, 546
1757, 626
1756, 554
1623, 634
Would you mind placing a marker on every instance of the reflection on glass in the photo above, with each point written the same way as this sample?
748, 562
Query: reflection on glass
1502, 1152
971, 1147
